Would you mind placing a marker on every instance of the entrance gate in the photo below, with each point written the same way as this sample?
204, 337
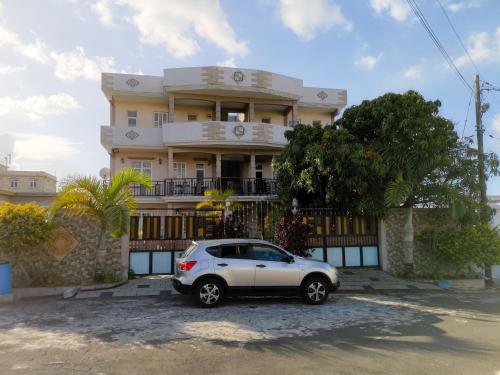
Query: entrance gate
340, 238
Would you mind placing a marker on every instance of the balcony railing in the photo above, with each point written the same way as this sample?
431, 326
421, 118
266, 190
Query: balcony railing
197, 187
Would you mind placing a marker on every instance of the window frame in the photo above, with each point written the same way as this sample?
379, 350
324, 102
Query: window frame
33, 183
142, 167
129, 117
160, 119
193, 115
14, 183
183, 168
219, 248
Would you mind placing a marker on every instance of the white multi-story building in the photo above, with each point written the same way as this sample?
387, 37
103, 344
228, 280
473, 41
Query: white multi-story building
193, 129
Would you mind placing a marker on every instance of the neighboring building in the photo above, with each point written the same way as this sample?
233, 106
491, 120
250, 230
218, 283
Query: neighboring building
494, 202
26, 186
207, 127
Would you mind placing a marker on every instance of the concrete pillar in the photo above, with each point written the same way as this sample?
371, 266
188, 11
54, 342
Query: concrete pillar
218, 165
251, 170
295, 113
251, 111
217, 110
171, 108
170, 162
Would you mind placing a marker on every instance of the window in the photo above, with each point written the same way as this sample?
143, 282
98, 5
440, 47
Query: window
142, 166
132, 118
237, 251
33, 183
266, 120
14, 183
192, 117
200, 171
236, 116
179, 170
268, 253
160, 119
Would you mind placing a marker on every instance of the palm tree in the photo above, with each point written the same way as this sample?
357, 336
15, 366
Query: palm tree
217, 200
109, 203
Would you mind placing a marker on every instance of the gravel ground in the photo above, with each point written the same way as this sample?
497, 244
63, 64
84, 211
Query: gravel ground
456, 333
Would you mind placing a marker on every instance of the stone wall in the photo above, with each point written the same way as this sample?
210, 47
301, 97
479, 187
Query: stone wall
68, 258
392, 239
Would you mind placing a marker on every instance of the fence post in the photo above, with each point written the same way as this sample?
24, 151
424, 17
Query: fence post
323, 235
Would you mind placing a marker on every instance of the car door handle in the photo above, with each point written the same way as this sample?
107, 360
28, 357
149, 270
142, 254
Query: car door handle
260, 265
222, 264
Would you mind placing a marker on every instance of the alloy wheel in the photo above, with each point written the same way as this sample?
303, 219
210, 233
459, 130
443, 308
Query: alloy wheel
209, 294
316, 291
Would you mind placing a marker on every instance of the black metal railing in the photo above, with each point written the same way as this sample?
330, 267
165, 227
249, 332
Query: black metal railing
196, 186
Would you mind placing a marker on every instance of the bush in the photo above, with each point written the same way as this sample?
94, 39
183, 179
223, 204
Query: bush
23, 226
291, 233
458, 250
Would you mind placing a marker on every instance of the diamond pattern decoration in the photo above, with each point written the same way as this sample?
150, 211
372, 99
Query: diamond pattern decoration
132, 135
60, 244
322, 95
132, 82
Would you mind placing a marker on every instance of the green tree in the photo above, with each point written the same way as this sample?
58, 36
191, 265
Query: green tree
108, 203
393, 151
22, 228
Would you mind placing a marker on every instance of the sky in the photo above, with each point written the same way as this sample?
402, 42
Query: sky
52, 53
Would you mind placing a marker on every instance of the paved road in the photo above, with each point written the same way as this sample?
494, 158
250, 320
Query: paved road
411, 333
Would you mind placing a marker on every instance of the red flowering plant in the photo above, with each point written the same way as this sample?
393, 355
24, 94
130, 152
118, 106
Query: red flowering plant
291, 233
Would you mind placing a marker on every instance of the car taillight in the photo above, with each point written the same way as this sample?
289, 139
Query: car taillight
186, 266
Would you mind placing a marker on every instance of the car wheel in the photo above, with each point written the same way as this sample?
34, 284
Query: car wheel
208, 293
315, 291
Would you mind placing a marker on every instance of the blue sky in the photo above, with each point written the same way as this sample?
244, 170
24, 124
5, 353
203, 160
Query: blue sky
52, 53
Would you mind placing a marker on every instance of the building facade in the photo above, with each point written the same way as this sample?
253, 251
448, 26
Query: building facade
26, 186
194, 129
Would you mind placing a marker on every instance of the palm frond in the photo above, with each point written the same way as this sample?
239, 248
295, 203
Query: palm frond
123, 179
398, 192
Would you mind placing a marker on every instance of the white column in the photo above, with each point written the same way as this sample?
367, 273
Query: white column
251, 111
171, 108
218, 165
295, 113
251, 170
170, 162
217, 110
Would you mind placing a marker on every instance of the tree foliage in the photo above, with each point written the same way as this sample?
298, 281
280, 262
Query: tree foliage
395, 150
23, 226
291, 233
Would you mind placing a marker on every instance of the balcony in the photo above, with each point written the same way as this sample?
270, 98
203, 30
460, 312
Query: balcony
197, 187
197, 134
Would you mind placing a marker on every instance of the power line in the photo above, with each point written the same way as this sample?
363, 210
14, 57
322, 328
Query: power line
467, 114
457, 35
419, 14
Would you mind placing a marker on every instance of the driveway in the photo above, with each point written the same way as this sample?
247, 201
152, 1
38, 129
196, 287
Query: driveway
414, 333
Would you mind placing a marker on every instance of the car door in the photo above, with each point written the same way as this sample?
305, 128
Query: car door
234, 264
272, 268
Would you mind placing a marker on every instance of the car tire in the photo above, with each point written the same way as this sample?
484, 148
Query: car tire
315, 291
208, 293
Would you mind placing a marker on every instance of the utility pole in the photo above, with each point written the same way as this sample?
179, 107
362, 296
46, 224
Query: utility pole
480, 149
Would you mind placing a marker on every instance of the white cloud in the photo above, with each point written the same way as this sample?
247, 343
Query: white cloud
413, 72
71, 65
8, 69
368, 62
178, 24
36, 50
305, 18
230, 63
397, 9
103, 9
31, 148
35, 107
483, 48
457, 6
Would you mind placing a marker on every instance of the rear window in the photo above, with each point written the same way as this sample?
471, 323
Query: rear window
189, 250
236, 251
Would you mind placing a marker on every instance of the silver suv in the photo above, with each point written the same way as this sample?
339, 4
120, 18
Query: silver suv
210, 270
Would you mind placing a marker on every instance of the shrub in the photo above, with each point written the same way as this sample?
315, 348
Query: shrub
23, 226
458, 250
291, 233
